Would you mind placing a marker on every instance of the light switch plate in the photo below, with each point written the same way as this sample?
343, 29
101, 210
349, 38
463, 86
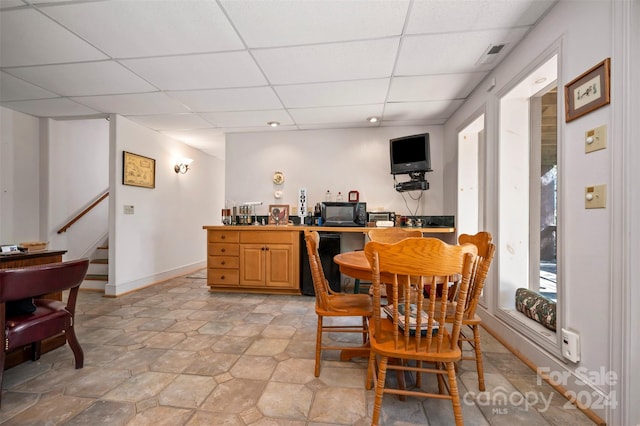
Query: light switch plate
595, 197
595, 139
128, 209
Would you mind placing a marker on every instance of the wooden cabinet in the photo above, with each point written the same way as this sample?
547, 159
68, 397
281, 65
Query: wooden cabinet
264, 261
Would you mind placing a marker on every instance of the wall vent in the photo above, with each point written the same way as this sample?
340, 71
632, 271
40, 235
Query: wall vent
491, 54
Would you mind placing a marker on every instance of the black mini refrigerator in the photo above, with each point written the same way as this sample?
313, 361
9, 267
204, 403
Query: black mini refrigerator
329, 247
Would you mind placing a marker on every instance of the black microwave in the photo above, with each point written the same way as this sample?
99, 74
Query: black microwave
344, 214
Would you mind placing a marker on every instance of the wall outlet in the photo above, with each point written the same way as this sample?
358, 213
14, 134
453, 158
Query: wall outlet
570, 345
595, 197
595, 139
128, 209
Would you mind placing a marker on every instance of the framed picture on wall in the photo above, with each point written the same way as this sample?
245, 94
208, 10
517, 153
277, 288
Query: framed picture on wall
588, 92
138, 170
278, 214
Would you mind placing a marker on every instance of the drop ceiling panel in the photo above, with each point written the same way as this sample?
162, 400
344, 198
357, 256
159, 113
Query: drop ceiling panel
171, 121
207, 71
288, 23
334, 94
452, 53
5, 4
14, 89
420, 110
90, 78
344, 114
329, 62
29, 38
253, 98
134, 104
126, 29
439, 16
434, 87
59, 107
248, 118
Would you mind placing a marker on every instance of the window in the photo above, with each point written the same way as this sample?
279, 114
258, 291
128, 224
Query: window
528, 196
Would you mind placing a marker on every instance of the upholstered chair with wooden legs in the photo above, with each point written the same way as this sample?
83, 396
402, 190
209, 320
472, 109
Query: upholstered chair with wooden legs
486, 250
414, 328
48, 317
334, 304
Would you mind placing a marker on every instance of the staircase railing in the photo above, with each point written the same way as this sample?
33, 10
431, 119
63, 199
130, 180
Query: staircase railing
83, 212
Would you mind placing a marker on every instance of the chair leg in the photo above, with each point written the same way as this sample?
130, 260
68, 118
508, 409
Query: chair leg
78, 354
365, 330
36, 350
318, 346
479, 366
377, 404
453, 391
371, 371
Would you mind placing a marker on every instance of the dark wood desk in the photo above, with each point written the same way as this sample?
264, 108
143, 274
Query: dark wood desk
21, 260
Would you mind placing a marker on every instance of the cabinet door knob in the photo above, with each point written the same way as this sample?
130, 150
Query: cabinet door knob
223, 250
223, 262
222, 237
222, 277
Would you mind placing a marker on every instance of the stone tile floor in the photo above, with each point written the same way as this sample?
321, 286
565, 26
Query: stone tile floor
176, 354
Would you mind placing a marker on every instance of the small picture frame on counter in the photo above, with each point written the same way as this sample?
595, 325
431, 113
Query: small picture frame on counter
278, 214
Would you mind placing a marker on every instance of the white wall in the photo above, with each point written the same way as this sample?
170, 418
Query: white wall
585, 236
337, 160
164, 237
78, 173
19, 177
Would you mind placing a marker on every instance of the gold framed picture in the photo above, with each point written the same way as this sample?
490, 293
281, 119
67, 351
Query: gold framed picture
588, 92
138, 170
278, 214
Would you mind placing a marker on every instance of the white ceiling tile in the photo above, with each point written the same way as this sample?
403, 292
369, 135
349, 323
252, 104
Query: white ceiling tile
134, 104
90, 78
248, 118
29, 38
289, 23
59, 107
434, 87
171, 121
452, 53
329, 62
357, 92
253, 98
261, 128
126, 29
341, 114
439, 16
207, 71
14, 89
6, 4
420, 110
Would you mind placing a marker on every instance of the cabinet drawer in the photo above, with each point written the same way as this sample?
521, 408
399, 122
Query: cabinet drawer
224, 262
222, 276
268, 237
223, 236
221, 249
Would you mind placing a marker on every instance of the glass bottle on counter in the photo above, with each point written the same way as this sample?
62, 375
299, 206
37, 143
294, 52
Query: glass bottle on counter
339, 197
327, 195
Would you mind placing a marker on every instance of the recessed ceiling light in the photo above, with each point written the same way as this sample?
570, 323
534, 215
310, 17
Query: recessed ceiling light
372, 119
273, 123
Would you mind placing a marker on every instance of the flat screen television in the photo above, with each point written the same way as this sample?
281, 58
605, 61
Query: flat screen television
410, 154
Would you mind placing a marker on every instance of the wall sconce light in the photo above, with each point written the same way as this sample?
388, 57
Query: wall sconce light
182, 165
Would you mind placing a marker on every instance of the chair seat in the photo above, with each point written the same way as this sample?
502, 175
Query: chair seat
355, 304
382, 342
50, 318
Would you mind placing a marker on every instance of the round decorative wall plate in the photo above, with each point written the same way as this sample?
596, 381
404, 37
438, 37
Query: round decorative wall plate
278, 178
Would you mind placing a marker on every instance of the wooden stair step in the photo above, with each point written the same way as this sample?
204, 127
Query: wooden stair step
97, 277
